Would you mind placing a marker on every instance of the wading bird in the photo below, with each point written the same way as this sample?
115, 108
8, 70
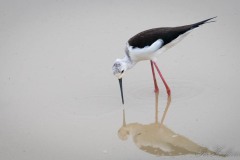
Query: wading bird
144, 46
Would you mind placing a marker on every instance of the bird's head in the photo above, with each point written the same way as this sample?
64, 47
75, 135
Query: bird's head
119, 68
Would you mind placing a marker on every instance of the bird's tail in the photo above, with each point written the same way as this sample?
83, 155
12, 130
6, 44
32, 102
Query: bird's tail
195, 25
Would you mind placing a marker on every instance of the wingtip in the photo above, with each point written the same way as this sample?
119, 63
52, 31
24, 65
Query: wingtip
209, 20
212, 18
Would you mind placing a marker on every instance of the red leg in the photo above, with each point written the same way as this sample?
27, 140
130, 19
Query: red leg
164, 82
156, 90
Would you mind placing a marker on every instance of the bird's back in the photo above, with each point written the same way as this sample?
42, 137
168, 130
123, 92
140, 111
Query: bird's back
167, 34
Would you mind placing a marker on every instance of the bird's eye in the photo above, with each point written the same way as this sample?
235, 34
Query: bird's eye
122, 71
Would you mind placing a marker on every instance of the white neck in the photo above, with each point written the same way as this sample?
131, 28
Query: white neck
128, 61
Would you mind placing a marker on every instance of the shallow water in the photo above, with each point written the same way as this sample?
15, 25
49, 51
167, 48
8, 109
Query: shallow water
59, 99
157, 139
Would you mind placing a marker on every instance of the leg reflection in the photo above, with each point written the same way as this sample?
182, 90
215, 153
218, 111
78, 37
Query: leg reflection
156, 107
160, 141
166, 109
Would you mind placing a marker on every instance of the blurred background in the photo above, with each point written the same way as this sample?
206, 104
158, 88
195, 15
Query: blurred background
59, 99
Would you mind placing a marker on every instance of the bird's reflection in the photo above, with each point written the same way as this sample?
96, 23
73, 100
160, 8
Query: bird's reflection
157, 139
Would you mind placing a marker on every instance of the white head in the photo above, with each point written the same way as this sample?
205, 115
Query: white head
119, 67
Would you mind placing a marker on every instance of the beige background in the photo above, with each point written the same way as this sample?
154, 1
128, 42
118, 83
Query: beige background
59, 99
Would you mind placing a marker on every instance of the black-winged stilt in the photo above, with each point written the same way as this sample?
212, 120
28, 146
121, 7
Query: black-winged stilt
144, 46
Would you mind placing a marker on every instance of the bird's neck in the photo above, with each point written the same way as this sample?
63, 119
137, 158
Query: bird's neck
129, 62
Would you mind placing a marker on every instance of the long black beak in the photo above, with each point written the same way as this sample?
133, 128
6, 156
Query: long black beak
121, 88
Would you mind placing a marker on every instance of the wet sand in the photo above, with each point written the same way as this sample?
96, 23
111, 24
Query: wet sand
59, 99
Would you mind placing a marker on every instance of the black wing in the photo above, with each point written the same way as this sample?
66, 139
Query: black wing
167, 34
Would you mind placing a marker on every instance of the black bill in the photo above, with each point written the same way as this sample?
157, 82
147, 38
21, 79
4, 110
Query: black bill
120, 83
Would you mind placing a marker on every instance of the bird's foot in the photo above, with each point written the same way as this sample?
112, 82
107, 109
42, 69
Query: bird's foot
156, 90
169, 92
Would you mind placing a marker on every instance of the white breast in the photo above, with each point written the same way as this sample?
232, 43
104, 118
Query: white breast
146, 53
